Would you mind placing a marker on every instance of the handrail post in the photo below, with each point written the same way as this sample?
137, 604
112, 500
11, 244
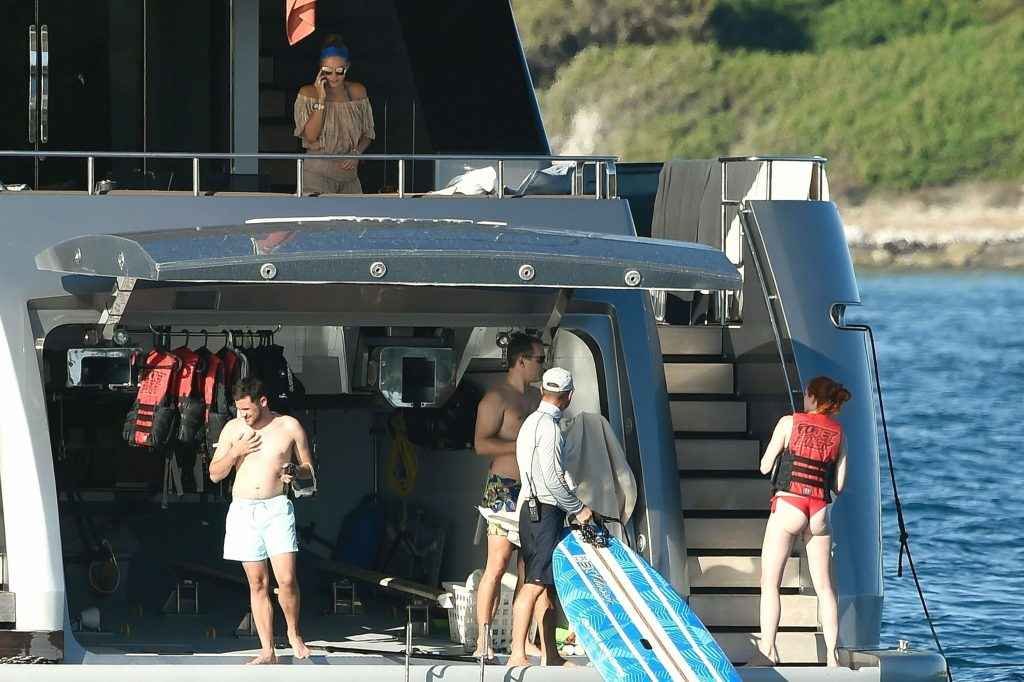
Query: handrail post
195, 176
401, 178
598, 179
768, 189
500, 190
90, 175
577, 179
821, 180
298, 177
722, 295
612, 190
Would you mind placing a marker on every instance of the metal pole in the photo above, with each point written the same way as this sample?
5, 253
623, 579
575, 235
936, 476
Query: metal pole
408, 640
599, 176
195, 176
501, 179
613, 181
577, 180
821, 180
487, 647
768, 190
401, 178
722, 299
90, 175
298, 177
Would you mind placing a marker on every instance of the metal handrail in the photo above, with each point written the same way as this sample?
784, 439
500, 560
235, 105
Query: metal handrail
604, 187
819, 165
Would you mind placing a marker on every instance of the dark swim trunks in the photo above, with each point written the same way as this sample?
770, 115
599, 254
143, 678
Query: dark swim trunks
539, 540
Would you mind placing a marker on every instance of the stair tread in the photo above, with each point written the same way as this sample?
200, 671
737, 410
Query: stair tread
743, 610
723, 416
732, 493
793, 647
687, 340
732, 571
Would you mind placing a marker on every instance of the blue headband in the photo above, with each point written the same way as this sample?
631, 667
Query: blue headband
332, 51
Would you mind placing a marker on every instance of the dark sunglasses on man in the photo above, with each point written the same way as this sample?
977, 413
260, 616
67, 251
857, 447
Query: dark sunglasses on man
327, 71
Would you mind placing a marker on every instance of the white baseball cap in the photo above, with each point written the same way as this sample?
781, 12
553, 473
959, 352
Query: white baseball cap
557, 380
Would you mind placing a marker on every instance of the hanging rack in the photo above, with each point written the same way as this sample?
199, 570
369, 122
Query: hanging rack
165, 332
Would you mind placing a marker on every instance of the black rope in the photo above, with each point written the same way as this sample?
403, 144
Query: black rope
904, 535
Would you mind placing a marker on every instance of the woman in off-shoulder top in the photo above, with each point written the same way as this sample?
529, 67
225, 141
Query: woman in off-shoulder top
333, 116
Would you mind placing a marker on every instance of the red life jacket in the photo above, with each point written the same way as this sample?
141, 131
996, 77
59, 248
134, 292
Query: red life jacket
189, 396
153, 419
215, 396
807, 466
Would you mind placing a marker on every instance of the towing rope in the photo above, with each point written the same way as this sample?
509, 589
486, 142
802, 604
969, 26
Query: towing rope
904, 535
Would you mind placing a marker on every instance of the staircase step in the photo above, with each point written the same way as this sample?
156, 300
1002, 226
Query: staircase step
736, 571
793, 647
742, 610
726, 454
720, 416
699, 377
683, 340
737, 535
706, 493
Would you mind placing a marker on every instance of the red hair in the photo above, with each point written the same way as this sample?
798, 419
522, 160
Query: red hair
828, 393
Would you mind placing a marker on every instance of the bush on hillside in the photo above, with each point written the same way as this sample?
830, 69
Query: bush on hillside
920, 110
555, 31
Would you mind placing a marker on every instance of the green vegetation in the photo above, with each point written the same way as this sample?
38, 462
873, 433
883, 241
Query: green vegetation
897, 93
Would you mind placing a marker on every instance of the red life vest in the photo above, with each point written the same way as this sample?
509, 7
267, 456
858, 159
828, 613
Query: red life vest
189, 398
153, 420
807, 466
215, 395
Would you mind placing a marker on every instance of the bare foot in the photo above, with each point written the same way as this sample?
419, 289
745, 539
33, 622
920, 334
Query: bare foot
518, 662
760, 659
299, 648
265, 658
533, 650
831, 661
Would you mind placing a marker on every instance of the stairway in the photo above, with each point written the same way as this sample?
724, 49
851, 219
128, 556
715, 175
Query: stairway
725, 503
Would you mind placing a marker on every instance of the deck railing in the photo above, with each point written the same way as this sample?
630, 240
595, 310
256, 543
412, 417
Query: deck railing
605, 178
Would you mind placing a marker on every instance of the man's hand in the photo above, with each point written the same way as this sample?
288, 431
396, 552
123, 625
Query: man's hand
288, 472
246, 444
585, 515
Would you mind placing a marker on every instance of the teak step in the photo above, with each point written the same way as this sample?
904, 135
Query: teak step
736, 571
724, 454
742, 610
727, 534
793, 647
699, 377
705, 493
690, 340
721, 416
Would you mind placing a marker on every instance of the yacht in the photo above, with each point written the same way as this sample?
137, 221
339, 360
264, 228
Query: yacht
151, 197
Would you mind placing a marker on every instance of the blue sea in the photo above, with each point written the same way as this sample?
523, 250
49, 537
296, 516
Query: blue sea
951, 355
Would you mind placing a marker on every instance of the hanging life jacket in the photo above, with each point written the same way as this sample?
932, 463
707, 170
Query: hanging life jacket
153, 419
189, 397
215, 395
807, 466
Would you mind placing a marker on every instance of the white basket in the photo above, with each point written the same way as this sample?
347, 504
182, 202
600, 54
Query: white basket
462, 625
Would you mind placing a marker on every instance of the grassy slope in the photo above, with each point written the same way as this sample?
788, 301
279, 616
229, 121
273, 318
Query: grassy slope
919, 110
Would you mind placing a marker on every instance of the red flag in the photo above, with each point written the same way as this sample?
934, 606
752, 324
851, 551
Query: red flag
299, 19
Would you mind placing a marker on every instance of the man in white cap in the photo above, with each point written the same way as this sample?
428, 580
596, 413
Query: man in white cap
548, 495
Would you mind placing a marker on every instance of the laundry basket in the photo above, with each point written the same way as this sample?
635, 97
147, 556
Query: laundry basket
462, 625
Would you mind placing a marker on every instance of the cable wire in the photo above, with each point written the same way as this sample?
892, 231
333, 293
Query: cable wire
904, 535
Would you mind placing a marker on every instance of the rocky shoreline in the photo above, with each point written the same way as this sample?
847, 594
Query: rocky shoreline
964, 227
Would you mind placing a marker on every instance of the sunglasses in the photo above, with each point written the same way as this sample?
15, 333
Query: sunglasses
327, 71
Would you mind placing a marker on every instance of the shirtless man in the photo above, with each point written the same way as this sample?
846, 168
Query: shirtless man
260, 445
498, 418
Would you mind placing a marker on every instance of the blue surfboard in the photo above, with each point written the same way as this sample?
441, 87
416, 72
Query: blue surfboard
631, 622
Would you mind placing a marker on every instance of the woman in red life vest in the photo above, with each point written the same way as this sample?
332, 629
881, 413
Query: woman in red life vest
807, 460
